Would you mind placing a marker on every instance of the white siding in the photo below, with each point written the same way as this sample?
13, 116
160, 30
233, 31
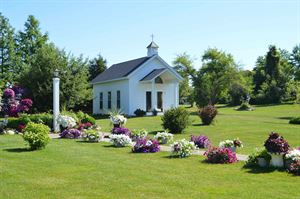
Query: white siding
113, 87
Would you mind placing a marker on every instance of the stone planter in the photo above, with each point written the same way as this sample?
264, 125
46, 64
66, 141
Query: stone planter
262, 162
163, 140
276, 160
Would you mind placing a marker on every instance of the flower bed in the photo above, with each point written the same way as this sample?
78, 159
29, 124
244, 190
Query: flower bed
66, 121
220, 155
276, 144
163, 137
182, 148
201, 141
121, 131
138, 134
146, 145
120, 140
70, 133
91, 136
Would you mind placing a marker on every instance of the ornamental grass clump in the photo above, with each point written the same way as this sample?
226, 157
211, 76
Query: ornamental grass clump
121, 131
207, 114
182, 148
220, 156
37, 135
200, 141
164, 137
276, 144
70, 134
146, 145
120, 140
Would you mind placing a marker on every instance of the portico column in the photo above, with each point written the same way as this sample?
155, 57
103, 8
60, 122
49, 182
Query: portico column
153, 96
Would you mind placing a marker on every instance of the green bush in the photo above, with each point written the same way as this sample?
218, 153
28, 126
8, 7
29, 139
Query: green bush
139, 112
80, 115
44, 118
207, 114
175, 119
295, 120
37, 135
88, 118
13, 123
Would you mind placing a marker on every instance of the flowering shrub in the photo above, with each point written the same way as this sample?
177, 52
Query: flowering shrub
13, 103
295, 168
163, 137
121, 130
118, 119
146, 145
37, 135
220, 155
66, 121
201, 141
293, 155
231, 143
120, 140
182, 148
91, 136
70, 133
82, 126
276, 144
138, 134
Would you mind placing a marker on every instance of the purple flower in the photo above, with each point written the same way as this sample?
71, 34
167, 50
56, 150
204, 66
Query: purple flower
276, 144
121, 130
146, 145
200, 141
9, 93
18, 90
70, 133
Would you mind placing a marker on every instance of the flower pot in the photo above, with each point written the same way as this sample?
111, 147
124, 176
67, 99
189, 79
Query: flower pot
276, 160
262, 162
116, 125
232, 149
163, 141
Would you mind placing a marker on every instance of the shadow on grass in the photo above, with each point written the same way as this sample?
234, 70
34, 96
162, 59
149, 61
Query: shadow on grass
154, 132
285, 118
257, 169
18, 150
199, 124
85, 142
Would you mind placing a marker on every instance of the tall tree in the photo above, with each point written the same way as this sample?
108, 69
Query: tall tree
183, 64
295, 61
8, 57
31, 39
97, 66
74, 87
215, 76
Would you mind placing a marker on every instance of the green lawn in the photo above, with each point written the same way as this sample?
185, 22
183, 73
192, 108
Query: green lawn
252, 127
72, 169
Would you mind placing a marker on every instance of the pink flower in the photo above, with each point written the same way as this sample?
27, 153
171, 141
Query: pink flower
9, 93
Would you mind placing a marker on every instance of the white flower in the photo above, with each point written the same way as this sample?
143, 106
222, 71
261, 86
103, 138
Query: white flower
10, 132
183, 148
226, 143
66, 121
118, 119
293, 154
120, 140
164, 135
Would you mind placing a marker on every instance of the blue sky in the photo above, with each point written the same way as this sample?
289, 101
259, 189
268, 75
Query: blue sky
120, 30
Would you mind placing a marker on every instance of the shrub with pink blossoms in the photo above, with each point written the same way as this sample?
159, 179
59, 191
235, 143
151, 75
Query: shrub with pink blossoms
220, 156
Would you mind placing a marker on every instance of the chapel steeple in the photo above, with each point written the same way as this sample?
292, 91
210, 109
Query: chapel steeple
152, 48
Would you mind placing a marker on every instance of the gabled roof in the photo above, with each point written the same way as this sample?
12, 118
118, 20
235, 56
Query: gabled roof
153, 74
152, 45
120, 70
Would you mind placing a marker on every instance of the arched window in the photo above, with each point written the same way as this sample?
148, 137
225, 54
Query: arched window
159, 80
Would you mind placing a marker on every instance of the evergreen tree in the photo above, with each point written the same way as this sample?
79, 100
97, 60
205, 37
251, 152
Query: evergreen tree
97, 66
30, 40
8, 57
295, 61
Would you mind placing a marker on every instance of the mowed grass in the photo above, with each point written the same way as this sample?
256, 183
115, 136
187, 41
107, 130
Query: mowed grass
252, 127
73, 169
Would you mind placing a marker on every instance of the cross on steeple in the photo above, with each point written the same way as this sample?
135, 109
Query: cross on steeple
152, 36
